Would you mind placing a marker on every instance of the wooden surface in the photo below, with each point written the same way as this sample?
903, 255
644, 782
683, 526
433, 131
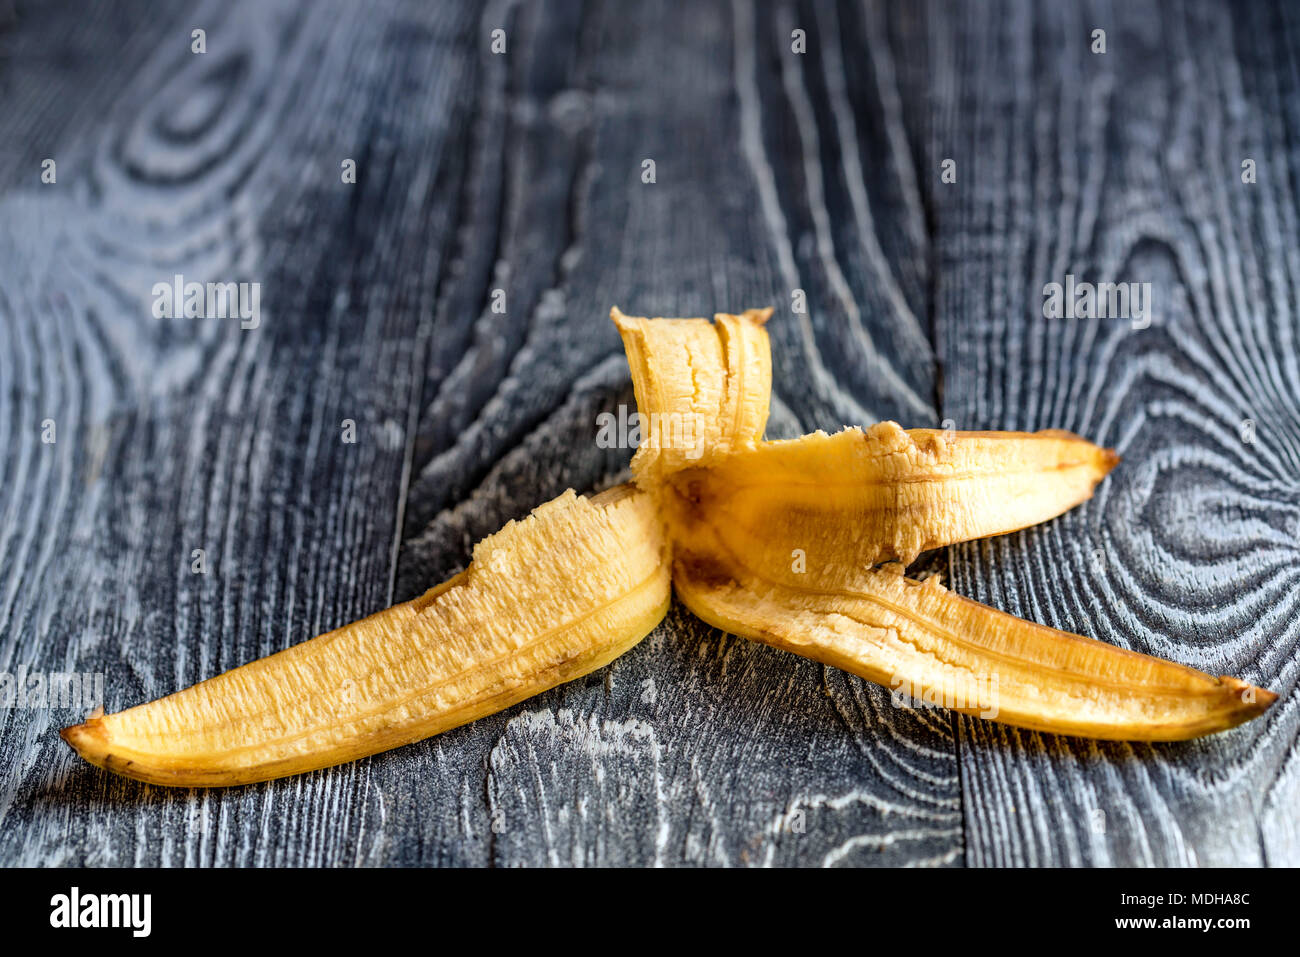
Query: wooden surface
775, 171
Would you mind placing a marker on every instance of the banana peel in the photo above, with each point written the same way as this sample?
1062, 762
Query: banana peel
889, 493
779, 542
544, 601
932, 647
702, 388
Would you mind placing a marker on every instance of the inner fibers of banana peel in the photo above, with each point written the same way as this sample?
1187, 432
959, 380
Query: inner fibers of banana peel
779, 542
545, 600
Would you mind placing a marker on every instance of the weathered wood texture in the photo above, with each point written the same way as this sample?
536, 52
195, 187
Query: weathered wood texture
1127, 166
774, 172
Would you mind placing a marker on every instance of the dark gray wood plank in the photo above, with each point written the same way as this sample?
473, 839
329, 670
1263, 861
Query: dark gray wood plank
519, 172
181, 434
1126, 166
696, 747
775, 171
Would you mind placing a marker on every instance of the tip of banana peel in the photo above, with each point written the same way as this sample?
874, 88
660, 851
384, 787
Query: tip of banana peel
756, 316
1109, 459
1250, 702
1258, 699
74, 736
79, 736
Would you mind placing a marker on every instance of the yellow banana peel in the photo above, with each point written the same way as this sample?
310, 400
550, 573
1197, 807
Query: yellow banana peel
544, 601
702, 387
779, 542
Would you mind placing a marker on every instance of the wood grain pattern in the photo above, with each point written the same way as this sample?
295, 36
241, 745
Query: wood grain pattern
1189, 550
183, 434
696, 747
521, 172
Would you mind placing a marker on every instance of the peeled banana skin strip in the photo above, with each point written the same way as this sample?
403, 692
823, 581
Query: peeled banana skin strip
704, 386
931, 646
889, 494
778, 542
545, 600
